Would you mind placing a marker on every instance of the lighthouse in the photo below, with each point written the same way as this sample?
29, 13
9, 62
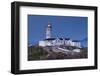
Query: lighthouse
52, 41
48, 30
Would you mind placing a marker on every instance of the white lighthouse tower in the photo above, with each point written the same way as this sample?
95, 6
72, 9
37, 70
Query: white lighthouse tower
48, 30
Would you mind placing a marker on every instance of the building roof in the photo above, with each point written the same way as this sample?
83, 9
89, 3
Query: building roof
75, 40
58, 38
50, 39
62, 39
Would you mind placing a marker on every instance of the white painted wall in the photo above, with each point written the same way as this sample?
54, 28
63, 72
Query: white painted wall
5, 41
42, 43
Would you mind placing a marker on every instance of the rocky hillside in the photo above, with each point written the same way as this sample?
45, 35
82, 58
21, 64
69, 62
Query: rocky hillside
62, 52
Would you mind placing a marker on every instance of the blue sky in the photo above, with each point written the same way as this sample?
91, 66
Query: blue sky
73, 27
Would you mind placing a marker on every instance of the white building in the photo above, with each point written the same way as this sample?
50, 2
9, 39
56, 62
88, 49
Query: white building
49, 41
48, 30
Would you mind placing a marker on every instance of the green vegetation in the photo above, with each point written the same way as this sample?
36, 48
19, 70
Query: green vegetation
36, 53
43, 53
